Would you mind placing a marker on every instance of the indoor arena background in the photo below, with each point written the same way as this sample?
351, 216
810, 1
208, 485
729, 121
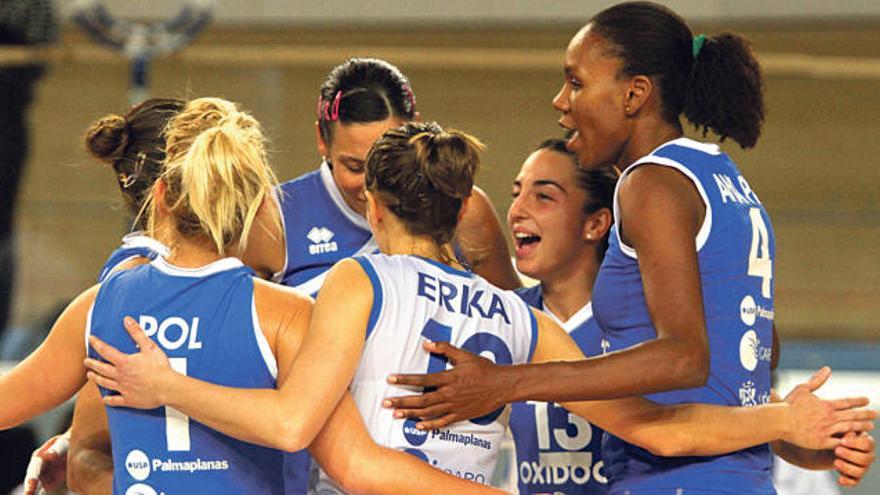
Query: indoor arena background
491, 69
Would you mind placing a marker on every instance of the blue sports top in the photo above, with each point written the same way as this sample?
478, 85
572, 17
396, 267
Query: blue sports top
735, 250
134, 245
558, 451
206, 322
319, 230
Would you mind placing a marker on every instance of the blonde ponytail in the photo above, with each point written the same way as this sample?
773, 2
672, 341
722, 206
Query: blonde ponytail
216, 174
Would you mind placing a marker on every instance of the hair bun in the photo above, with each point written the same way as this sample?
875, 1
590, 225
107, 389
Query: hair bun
107, 138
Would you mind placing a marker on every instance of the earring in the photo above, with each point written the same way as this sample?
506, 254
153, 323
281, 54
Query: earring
590, 236
627, 109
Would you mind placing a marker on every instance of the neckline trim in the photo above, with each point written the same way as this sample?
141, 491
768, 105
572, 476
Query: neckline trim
221, 265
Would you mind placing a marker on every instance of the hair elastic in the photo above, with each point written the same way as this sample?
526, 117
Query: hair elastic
334, 112
697, 44
326, 111
411, 98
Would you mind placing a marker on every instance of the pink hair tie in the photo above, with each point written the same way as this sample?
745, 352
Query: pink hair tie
334, 113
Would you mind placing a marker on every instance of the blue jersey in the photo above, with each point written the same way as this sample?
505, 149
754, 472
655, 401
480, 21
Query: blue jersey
205, 321
558, 451
735, 250
134, 245
319, 230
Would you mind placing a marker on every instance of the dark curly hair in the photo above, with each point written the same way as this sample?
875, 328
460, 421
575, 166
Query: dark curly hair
719, 90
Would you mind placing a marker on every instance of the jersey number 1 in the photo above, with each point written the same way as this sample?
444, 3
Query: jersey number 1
760, 263
177, 423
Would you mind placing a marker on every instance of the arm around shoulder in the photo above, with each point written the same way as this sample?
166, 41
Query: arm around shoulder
330, 352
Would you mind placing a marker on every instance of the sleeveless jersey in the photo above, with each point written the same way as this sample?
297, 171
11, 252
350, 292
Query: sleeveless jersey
319, 230
134, 245
735, 249
416, 299
558, 452
205, 321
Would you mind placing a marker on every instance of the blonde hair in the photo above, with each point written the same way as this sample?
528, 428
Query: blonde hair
216, 173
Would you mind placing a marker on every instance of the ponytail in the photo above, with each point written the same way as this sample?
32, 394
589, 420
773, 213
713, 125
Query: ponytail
216, 174
715, 82
725, 90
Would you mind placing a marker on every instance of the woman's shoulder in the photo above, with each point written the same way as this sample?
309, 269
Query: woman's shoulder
269, 294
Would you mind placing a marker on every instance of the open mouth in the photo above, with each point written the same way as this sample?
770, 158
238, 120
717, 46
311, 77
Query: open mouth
573, 136
525, 243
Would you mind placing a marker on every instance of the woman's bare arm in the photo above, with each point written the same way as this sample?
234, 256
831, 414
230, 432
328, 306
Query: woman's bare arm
704, 429
367, 468
662, 214
288, 418
484, 243
55, 369
90, 460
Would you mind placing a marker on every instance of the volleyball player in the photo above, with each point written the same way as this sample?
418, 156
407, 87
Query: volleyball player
559, 219
360, 99
323, 211
216, 320
374, 310
133, 146
686, 289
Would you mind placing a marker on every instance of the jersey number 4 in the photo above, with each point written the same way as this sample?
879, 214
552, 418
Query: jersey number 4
760, 263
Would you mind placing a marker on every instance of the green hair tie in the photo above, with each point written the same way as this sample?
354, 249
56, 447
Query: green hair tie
697, 44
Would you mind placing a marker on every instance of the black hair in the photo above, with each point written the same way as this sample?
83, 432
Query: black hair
363, 90
719, 90
598, 185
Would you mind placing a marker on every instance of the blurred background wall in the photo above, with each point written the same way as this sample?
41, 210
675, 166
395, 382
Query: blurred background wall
490, 68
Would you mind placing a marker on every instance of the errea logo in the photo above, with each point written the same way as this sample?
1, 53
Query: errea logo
321, 238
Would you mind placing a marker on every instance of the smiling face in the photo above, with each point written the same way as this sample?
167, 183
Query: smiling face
593, 101
347, 153
546, 216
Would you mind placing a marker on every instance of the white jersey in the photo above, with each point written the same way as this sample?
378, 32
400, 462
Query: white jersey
416, 299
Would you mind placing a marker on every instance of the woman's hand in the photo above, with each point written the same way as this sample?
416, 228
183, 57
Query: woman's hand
854, 457
474, 387
818, 424
47, 469
137, 378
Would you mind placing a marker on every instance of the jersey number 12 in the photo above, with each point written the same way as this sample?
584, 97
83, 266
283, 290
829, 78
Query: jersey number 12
476, 344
